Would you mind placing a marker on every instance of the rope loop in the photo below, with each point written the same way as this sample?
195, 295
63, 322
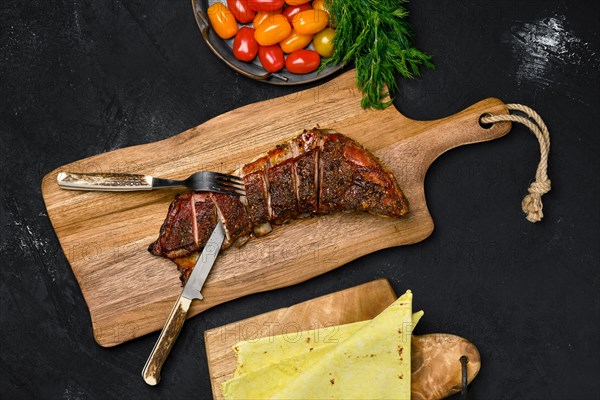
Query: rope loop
532, 203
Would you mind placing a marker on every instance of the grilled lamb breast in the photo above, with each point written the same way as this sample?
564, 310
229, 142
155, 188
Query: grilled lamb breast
317, 172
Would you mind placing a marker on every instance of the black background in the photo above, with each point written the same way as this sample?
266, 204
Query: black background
82, 78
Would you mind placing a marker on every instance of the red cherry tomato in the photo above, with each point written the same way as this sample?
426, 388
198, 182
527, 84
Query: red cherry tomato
302, 61
240, 10
245, 46
265, 5
290, 11
271, 57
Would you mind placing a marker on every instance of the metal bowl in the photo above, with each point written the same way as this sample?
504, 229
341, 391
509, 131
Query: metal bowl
223, 50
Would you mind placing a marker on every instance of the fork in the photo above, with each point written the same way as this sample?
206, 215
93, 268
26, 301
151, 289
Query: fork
205, 181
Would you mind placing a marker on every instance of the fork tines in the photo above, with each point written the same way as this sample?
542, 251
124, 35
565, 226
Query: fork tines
225, 177
226, 184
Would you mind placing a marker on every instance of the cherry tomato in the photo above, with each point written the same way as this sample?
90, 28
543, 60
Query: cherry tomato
264, 16
323, 42
290, 11
319, 5
271, 57
295, 41
296, 2
310, 21
302, 61
222, 21
271, 32
265, 5
241, 11
245, 47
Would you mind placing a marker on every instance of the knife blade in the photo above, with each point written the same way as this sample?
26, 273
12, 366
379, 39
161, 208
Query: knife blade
191, 291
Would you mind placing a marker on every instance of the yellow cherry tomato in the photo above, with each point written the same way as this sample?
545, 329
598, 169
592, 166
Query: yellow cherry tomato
296, 2
262, 16
295, 41
310, 22
273, 30
323, 42
222, 21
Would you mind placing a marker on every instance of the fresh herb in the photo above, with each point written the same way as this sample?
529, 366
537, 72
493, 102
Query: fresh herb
375, 35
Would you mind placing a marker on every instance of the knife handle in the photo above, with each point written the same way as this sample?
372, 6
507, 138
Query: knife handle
168, 336
108, 182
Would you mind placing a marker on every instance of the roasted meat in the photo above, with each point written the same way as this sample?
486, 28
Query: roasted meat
318, 172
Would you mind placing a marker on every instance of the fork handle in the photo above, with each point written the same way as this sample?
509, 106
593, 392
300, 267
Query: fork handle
107, 182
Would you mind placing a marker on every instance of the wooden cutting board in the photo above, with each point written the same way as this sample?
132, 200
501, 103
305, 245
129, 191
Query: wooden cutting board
355, 304
105, 236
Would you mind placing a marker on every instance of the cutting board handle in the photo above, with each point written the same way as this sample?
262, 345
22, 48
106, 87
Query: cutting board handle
460, 129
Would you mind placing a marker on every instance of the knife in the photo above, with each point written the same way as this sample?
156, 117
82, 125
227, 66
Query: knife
191, 291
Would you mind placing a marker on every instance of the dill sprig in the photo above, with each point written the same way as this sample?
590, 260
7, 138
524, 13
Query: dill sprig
374, 35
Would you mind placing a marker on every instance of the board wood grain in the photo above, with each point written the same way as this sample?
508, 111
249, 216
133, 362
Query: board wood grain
104, 236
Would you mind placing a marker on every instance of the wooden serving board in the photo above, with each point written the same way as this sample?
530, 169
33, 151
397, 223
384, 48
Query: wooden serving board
104, 236
359, 303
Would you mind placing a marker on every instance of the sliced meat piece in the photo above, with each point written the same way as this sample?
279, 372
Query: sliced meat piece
282, 184
352, 179
234, 217
306, 172
177, 237
191, 219
257, 195
206, 218
209, 207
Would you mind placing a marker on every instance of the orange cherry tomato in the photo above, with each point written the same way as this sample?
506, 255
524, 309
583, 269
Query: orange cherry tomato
264, 16
302, 61
271, 32
271, 57
319, 5
240, 10
296, 2
291, 11
222, 21
265, 5
310, 22
295, 41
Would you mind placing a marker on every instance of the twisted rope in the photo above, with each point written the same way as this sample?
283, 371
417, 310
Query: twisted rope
532, 203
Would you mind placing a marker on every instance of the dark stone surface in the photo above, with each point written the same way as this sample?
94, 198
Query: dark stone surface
81, 78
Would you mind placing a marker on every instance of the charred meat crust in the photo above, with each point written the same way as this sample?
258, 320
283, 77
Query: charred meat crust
352, 179
307, 172
234, 217
317, 172
256, 191
306, 178
189, 223
282, 185
176, 233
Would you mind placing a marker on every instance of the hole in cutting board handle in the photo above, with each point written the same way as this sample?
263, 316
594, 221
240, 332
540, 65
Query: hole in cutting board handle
485, 125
